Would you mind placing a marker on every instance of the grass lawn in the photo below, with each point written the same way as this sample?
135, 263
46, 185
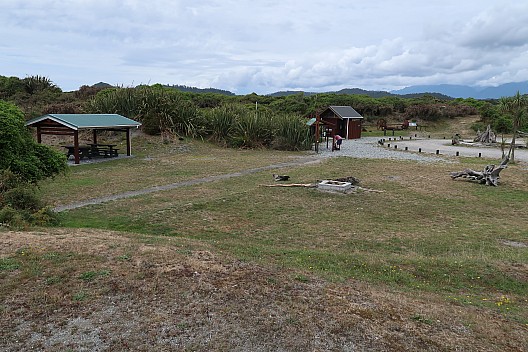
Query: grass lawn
443, 261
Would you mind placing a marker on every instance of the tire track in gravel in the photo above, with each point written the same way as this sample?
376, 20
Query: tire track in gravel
100, 200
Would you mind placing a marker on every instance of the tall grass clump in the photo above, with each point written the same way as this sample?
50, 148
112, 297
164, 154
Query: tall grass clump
253, 129
242, 127
121, 101
157, 108
291, 133
221, 121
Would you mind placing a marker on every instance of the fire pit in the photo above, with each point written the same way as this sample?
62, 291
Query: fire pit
334, 186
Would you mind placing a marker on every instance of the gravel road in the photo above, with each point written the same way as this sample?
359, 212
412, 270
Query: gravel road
369, 148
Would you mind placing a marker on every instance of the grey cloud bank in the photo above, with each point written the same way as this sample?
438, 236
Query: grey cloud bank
266, 46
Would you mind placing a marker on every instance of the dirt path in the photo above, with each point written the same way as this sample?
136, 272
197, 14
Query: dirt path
100, 200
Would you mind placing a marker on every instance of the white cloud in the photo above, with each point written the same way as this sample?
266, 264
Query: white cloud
264, 46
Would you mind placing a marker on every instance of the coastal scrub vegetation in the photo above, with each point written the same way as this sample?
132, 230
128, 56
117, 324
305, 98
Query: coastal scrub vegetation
246, 121
23, 163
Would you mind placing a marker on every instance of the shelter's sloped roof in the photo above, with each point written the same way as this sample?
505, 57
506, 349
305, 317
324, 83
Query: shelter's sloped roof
85, 121
345, 112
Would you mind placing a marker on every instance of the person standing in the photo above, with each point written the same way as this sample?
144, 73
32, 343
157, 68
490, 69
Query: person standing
338, 142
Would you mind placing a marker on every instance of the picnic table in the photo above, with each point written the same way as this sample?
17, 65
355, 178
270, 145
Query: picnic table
84, 151
104, 150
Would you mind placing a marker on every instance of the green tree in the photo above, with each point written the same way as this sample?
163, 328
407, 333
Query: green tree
516, 107
19, 152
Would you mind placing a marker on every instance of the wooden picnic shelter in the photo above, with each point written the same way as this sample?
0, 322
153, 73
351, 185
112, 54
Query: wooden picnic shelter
71, 124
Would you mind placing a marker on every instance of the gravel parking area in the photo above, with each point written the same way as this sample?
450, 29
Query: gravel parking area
368, 147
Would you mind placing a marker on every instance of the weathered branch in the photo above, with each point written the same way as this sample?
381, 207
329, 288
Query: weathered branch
309, 185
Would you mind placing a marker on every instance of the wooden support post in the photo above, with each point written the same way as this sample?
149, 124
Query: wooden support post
95, 136
39, 135
129, 146
76, 147
317, 132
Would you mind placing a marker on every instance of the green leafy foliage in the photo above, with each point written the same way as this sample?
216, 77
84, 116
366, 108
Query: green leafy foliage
158, 109
244, 127
23, 162
22, 198
291, 133
20, 153
437, 111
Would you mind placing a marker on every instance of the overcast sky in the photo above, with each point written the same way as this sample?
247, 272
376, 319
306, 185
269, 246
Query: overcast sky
266, 46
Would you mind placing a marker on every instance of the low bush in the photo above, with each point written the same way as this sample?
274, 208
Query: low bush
19, 204
22, 197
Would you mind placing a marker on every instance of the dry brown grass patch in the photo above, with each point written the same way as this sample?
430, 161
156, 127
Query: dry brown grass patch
163, 297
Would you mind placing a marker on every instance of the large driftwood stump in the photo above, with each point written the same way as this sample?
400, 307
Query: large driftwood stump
486, 137
490, 175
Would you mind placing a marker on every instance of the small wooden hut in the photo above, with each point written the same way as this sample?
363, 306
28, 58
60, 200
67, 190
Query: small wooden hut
344, 121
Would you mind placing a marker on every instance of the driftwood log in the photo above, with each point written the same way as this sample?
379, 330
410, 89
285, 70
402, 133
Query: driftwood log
488, 136
489, 177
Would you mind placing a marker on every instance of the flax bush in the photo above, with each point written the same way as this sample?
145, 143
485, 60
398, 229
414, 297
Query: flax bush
239, 126
253, 129
220, 122
157, 108
291, 133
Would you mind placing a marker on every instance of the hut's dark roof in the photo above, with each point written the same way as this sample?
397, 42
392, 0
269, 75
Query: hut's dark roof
345, 112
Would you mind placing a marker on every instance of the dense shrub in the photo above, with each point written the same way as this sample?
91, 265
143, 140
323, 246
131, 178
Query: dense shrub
502, 124
478, 126
23, 162
86, 92
11, 217
19, 203
437, 111
63, 108
20, 153
22, 197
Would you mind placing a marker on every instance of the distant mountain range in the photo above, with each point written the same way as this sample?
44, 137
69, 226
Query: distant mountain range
460, 91
440, 91
359, 91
